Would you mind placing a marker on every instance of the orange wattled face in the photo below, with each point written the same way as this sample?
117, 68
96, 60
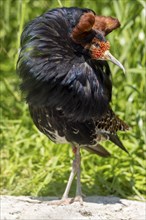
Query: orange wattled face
98, 49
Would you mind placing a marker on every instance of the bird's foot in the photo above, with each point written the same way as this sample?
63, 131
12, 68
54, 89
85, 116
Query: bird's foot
66, 201
79, 199
61, 202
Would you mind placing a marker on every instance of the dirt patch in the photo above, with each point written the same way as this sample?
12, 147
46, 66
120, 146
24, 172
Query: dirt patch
94, 207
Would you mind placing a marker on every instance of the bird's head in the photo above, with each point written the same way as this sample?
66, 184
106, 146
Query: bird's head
90, 32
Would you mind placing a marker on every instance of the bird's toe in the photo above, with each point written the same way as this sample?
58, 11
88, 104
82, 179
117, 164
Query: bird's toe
79, 199
61, 202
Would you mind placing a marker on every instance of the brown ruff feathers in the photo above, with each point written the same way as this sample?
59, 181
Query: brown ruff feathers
90, 22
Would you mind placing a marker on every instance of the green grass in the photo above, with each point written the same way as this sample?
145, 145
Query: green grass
33, 165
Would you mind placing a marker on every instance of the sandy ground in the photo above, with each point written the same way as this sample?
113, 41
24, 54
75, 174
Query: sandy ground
94, 207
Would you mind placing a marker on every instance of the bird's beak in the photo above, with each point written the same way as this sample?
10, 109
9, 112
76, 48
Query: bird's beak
110, 57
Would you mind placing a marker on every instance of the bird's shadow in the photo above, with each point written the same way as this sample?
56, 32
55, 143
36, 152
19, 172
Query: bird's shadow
104, 200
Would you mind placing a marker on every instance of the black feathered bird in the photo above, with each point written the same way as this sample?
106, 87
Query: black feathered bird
67, 81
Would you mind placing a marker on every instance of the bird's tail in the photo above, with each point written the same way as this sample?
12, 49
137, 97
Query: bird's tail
97, 149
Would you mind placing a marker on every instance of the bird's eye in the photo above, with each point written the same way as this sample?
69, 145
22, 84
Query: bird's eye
96, 45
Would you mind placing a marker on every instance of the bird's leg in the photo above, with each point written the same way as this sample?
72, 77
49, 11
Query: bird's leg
71, 177
75, 170
78, 189
72, 174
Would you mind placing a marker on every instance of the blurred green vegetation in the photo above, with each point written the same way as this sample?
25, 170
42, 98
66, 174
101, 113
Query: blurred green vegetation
33, 165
